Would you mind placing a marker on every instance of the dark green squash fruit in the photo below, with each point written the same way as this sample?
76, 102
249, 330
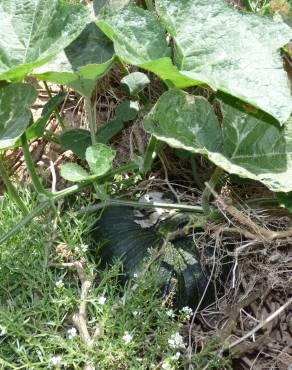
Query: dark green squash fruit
121, 237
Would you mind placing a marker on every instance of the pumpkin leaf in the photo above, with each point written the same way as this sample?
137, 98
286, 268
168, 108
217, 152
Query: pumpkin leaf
140, 40
134, 83
33, 31
232, 51
285, 200
77, 140
109, 130
15, 115
250, 144
79, 65
100, 158
127, 110
74, 172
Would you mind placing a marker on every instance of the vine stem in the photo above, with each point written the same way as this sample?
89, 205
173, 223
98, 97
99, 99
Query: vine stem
149, 5
11, 189
60, 195
31, 168
88, 109
207, 192
56, 111
150, 154
130, 203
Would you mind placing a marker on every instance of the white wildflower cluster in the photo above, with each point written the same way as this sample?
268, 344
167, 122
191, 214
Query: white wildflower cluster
187, 312
3, 330
56, 360
176, 341
101, 300
166, 366
136, 313
176, 356
84, 248
59, 284
127, 337
170, 312
72, 333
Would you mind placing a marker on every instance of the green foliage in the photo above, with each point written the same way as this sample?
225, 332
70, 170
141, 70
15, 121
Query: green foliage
249, 143
81, 63
74, 172
127, 110
34, 31
211, 42
135, 82
139, 39
36, 130
37, 302
99, 158
15, 115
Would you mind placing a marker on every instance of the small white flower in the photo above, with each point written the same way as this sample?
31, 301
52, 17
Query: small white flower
176, 356
101, 300
127, 338
176, 341
59, 284
170, 313
72, 333
56, 360
136, 313
84, 248
3, 330
166, 366
187, 312
135, 275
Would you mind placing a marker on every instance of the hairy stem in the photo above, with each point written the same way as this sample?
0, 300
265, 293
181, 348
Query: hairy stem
207, 192
89, 112
56, 110
60, 195
150, 154
11, 189
31, 168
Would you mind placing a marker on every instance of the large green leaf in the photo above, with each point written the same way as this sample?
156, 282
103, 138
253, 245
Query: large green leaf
140, 40
250, 144
85, 60
15, 114
33, 31
231, 51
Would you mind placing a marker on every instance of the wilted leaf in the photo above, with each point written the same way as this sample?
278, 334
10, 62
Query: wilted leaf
229, 50
135, 82
33, 31
250, 145
85, 60
74, 172
15, 115
100, 158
